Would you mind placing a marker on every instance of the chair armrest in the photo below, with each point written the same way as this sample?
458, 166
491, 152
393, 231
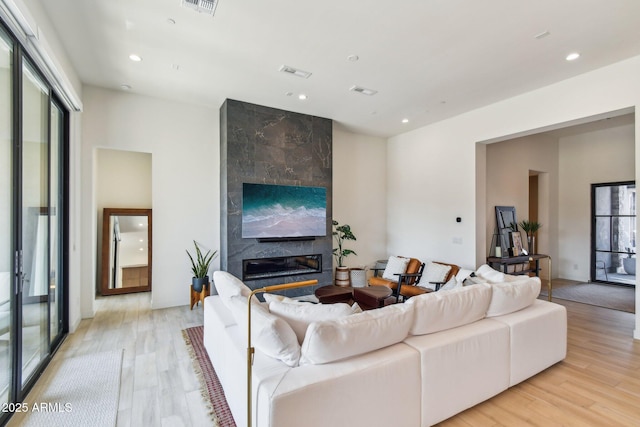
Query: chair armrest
405, 276
438, 284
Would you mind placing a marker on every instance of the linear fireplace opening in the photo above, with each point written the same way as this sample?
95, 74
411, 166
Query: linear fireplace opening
260, 268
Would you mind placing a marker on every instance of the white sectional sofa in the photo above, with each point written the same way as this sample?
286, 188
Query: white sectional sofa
411, 364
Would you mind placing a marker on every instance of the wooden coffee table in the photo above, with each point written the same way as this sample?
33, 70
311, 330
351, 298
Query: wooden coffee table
368, 298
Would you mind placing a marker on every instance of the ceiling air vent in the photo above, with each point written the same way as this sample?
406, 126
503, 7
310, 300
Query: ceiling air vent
363, 90
295, 71
202, 6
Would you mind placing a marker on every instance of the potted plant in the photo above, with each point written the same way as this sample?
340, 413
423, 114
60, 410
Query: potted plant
629, 263
200, 267
530, 227
342, 233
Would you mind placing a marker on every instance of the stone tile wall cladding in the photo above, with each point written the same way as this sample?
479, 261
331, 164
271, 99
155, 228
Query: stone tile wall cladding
266, 145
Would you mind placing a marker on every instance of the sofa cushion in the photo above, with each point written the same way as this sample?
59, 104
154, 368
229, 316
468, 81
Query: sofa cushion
395, 265
331, 340
508, 297
437, 311
269, 334
300, 315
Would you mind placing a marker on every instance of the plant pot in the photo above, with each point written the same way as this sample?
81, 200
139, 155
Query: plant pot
198, 283
358, 277
342, 276
629, 265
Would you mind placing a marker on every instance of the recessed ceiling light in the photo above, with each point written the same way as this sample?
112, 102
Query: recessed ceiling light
289, 93
135, 58
405, 120
142, 249
175, 67
353, 58
171, 21
125, 87
572, 56
302, 97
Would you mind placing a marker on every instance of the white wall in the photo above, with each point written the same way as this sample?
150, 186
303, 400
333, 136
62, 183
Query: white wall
184, 143
435, 166
507, 175
359, 193
123, 180
595, 157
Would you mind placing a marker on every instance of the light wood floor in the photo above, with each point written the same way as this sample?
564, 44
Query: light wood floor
597, 385
158, 384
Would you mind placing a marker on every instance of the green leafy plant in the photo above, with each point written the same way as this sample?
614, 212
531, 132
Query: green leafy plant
342, 233
530, 227
200, 264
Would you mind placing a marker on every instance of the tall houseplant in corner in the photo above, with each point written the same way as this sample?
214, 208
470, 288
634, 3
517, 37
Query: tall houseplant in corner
340, 234
200, 267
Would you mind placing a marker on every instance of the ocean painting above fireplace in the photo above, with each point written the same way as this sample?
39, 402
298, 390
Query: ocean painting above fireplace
283, 211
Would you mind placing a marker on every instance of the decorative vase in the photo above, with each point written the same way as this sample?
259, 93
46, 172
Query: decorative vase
358, 277
198, 282
342, 276
532, 245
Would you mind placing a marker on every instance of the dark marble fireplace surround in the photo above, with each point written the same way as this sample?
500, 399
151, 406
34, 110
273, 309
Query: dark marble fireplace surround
266, 145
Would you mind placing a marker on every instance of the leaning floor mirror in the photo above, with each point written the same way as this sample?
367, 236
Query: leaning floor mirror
126, 251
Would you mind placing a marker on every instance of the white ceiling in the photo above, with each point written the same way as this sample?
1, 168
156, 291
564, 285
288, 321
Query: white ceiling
428, 59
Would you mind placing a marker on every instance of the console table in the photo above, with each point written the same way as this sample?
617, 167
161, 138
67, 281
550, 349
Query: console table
501, 264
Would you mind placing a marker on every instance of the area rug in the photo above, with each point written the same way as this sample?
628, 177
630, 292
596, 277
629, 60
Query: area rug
210, 384
83, 391
622, 298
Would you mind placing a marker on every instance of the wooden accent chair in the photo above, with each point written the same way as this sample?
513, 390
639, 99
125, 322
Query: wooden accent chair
410, 277
408, 291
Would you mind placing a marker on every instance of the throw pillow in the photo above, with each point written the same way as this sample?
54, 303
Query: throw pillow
509, 297
473, 280
434, 272
395, 265
227, 285
489, 274
361, 333
453, 283
269, 334
438, 311
299, 316
269, 298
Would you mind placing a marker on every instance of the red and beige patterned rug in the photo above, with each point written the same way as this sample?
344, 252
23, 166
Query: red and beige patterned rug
210, 385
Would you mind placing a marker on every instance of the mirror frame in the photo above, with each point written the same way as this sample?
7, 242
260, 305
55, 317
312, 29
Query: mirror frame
106, 217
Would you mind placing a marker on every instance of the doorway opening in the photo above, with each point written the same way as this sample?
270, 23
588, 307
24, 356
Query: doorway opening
613, 235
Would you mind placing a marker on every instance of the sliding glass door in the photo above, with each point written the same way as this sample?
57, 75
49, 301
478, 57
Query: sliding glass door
35, 220
33, 152
7, 273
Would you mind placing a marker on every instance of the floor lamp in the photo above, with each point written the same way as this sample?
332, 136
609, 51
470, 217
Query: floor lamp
250, 349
